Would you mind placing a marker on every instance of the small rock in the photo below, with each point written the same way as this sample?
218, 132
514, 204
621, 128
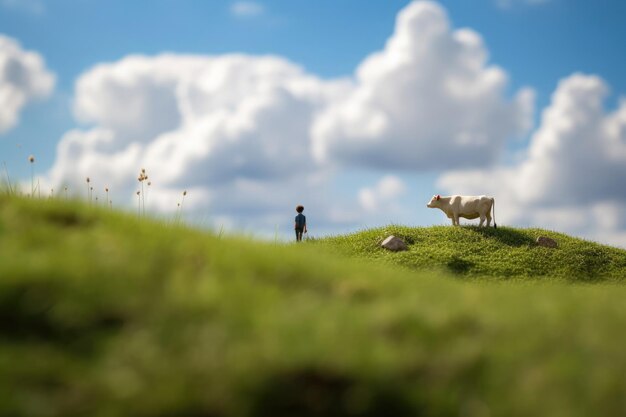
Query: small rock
394, 244
546, 242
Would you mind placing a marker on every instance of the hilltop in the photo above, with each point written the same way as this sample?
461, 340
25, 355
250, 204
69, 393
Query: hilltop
102, 314
503, 253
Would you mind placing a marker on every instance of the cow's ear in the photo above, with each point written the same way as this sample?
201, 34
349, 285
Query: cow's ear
438, 197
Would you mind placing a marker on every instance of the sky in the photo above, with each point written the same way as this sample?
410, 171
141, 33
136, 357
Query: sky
360, 111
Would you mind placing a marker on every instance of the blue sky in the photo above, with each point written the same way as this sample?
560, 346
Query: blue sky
537, 44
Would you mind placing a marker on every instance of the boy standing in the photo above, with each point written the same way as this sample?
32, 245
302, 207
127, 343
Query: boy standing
300, 224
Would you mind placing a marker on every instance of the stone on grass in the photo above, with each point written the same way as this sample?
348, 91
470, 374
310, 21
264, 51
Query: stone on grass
394, 244
546, 242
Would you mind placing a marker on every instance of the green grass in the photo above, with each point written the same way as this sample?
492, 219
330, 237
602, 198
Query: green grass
104, 315
503, 253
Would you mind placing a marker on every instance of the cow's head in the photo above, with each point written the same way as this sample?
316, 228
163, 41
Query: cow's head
434, 202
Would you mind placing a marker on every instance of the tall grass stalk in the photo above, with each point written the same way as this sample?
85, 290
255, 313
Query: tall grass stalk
139, 204
141, 178
31, 159
146, 195
180, 207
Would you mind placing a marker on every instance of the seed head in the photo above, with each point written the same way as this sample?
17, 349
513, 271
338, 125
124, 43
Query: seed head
31, 159
137, 192
149, 183
66, 188
184, 192
88, 180
143, 170
106, 189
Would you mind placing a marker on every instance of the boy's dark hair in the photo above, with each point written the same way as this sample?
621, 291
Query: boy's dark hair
300, 209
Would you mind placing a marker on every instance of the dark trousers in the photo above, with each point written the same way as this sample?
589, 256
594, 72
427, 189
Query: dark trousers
299, 234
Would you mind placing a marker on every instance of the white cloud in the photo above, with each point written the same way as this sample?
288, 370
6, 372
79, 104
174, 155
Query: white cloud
23, 77
244, 9
381, 198
428, 101
572, 176
232, 129
249, 137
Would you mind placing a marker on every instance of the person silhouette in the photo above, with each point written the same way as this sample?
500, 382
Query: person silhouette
300, 223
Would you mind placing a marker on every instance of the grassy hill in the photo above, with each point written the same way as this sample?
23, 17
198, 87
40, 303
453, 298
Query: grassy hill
105, 315
503, 253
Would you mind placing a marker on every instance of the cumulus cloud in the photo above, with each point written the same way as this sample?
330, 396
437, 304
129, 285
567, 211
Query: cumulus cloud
232, 129
251, 136
245, 9
428, 101
571, 177
382, 196
23, 78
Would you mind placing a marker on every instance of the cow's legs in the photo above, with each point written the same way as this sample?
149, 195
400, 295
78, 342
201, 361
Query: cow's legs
482, 220
455, 220
488, 219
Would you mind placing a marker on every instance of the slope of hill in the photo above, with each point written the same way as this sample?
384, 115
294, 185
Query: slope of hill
105, 315
503, 253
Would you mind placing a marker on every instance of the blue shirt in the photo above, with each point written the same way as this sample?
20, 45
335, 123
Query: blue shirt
300, 221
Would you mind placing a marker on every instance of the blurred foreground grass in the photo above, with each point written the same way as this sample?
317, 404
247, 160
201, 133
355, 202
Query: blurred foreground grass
102, 315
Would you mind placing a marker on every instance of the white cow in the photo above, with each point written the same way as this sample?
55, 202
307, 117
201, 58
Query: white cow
469, 207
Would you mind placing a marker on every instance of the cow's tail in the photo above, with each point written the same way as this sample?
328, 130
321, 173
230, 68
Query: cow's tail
493, 207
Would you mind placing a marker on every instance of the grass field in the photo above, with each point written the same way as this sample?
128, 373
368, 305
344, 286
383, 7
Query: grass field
105, 315
503, 253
